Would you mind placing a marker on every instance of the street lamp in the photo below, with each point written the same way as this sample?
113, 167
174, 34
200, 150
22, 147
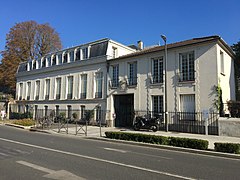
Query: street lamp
165, 79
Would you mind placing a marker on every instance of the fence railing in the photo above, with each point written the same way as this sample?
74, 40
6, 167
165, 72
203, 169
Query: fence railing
187, 122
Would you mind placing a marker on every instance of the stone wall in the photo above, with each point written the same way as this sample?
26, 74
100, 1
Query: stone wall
229, 127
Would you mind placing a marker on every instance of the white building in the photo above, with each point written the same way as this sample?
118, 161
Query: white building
195, 68
109, 76
70, 79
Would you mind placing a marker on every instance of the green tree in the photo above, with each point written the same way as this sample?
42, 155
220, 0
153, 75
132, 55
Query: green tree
25, 41
236, 49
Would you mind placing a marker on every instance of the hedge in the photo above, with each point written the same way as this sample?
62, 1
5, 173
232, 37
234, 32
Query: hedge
227, 147
172, 141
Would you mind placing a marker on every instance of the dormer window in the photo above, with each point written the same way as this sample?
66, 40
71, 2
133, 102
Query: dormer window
59, 58
34, 64
77, 55
65, 58
54, 60
44, 62
30, 66
84, 53
71, 56
114, 52
48, 62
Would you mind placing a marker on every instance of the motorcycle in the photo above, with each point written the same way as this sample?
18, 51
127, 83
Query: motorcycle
150, 123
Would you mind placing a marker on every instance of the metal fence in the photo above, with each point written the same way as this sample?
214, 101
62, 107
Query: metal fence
185, 122
193, 122
61, 120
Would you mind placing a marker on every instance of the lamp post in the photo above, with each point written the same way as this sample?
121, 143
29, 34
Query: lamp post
165, 83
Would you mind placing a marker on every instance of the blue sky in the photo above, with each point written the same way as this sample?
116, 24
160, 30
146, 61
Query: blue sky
126, 21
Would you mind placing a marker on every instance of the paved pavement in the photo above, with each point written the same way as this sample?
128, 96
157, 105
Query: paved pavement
94, 131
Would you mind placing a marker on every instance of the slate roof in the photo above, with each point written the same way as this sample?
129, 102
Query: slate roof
180, 44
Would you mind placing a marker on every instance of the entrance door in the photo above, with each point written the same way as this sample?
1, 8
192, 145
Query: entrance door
124, 109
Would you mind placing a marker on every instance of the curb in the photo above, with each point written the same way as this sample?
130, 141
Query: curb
18, 126
39, 130
173, 148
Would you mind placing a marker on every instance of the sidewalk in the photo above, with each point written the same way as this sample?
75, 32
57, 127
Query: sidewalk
94, 131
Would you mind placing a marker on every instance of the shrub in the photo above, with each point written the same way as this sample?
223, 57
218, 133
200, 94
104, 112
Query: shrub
188, 143
138, 137
234, 108
172, 141
227, 147
25, 115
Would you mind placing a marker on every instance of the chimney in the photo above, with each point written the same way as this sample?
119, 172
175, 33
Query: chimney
140, 45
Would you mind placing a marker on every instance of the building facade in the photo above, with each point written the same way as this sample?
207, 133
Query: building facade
195, 68
125, 81
74, 78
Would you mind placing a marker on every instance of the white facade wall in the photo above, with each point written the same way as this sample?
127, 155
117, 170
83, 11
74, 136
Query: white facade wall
203, 88
89, 66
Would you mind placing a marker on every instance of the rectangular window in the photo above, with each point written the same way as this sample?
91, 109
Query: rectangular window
57, 110
187, 107
70, 87
157, 105
132, 80
222, 62
77, 55
20, 91
59, 58
187, 66
48, 62
28, 90
71, 56
54, 60
65, 58
58, 88
157, 70
69, 111
98, 114
47, 89
115, 76
114, 52
83, 94
44, 63
83, 108
46, 111
99, 83
37, 90
84, 53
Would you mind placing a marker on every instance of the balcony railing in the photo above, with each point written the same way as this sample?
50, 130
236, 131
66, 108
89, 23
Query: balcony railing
98, 94
114, 83
156, 79
186, 77
69, 96
132, 81
83, 95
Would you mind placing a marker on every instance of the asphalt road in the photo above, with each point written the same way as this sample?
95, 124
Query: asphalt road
31, 155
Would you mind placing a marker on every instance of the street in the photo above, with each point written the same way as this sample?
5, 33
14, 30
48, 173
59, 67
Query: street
31, 155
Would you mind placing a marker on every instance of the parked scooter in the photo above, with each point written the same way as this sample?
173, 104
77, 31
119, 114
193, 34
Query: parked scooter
150, 123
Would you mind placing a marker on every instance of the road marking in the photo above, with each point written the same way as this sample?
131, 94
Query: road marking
117, 150
35, 167
98, 159
62, 174
3, 154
